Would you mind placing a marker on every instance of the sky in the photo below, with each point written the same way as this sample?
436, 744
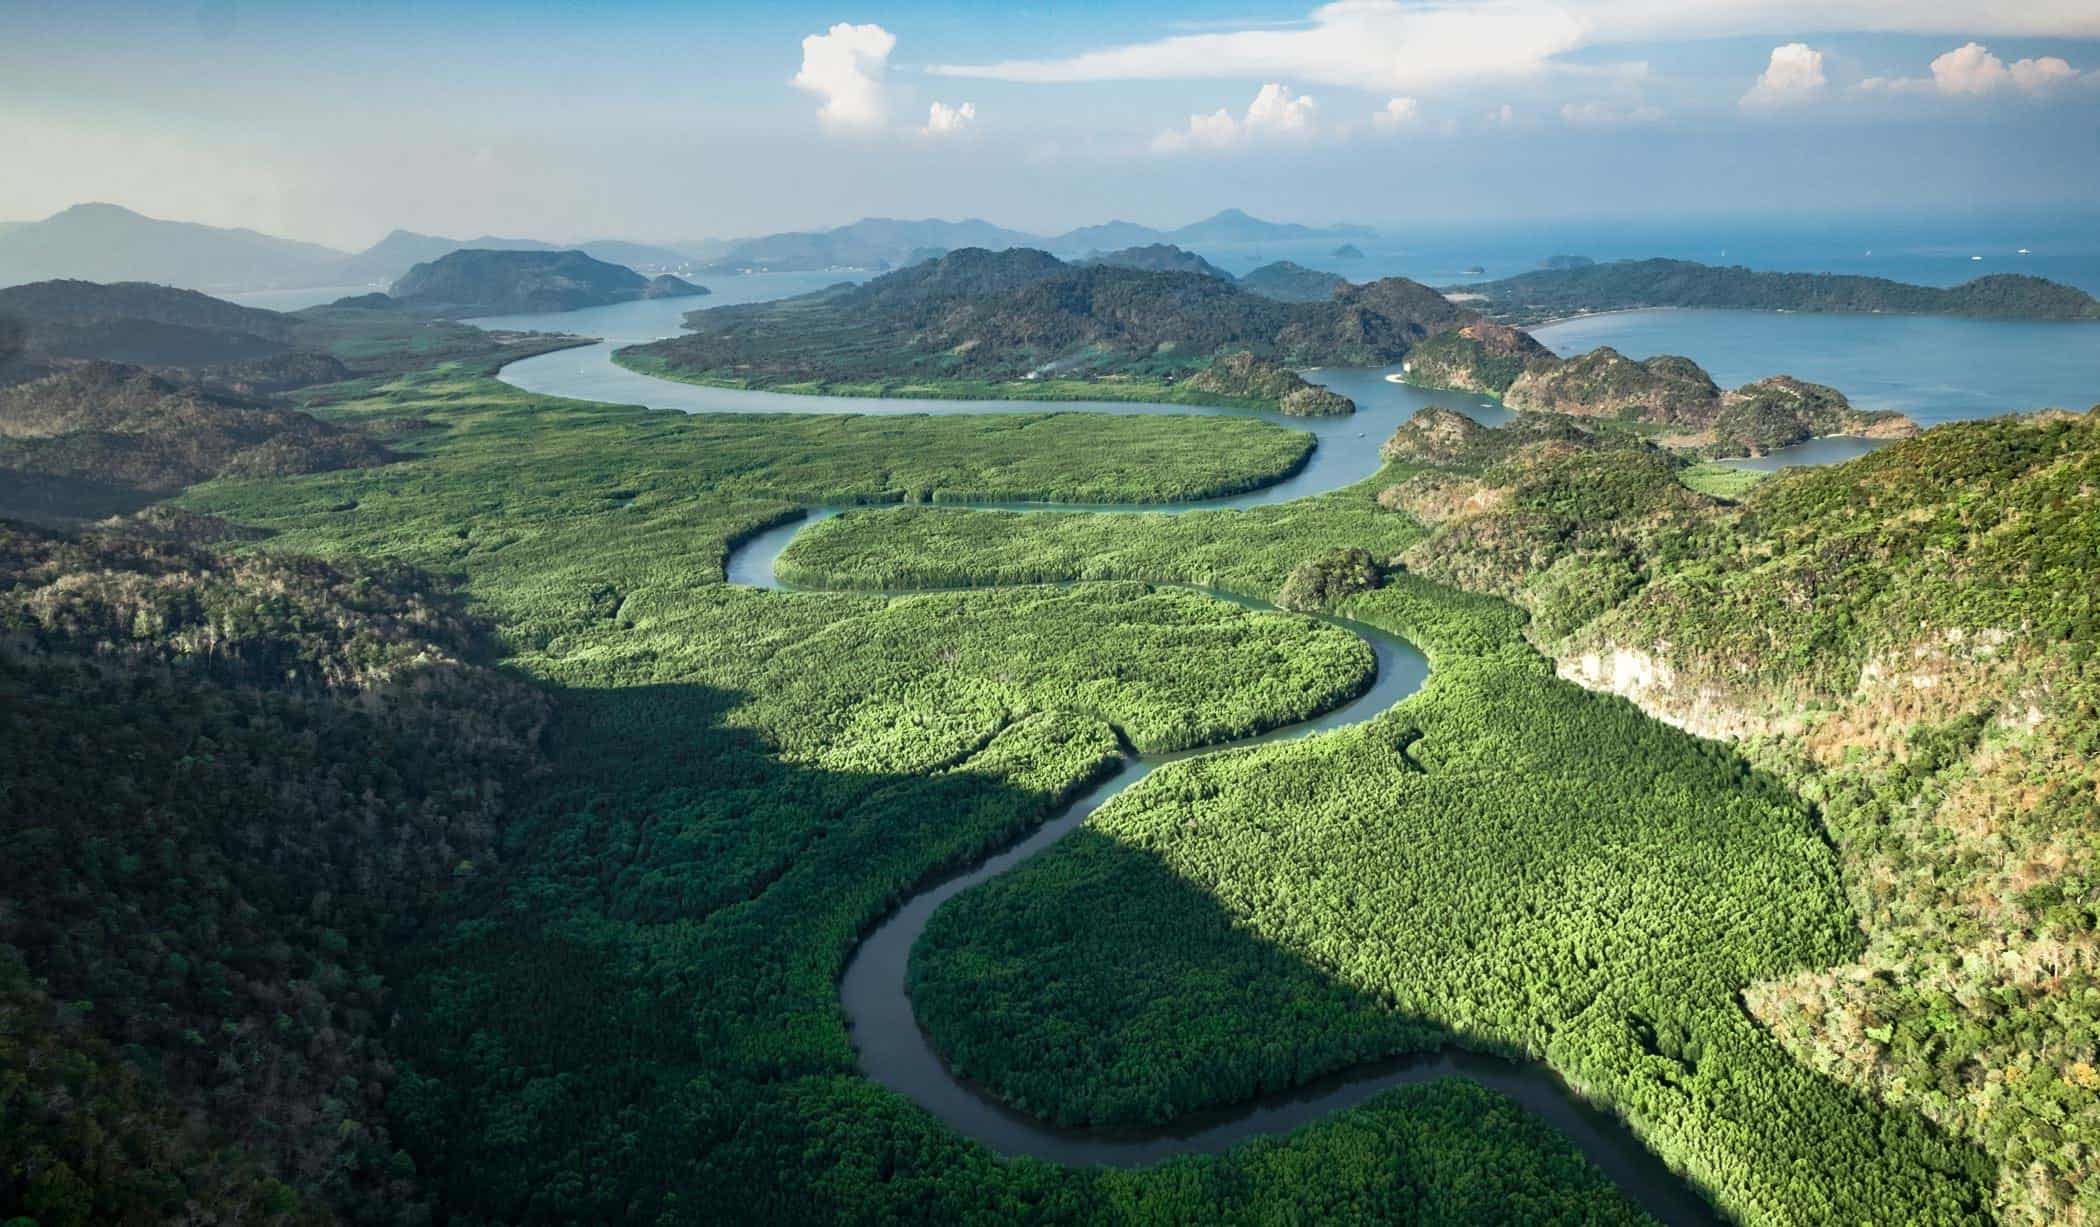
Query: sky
337, 122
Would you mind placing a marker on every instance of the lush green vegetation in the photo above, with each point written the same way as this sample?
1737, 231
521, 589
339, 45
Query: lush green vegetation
999, 320
624, 1007
637, 1018
1549, 293
227, 786
1721, 481
1563, 852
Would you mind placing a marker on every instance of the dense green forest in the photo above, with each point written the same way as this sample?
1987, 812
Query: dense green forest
982, 323
227, 787
1529, 298
515, 886
1906, 640
637, 1018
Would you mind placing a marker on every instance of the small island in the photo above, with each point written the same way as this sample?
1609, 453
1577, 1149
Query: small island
1574, 288
476, 282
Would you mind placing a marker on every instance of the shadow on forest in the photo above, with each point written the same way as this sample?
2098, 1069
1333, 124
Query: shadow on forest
640, 1014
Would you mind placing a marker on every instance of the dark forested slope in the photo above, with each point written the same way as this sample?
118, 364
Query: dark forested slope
98, 438
223, 782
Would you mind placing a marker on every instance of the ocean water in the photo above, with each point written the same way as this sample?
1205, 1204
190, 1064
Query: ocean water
1932, 368
1926, 250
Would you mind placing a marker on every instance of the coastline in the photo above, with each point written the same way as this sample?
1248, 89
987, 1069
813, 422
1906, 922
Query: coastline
1045, 391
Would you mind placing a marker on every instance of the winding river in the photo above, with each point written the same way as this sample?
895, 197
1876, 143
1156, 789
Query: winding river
893, 1049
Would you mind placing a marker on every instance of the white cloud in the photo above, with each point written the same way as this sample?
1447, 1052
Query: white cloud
1793, 75
1503, 116
1362, 44
846, 65
1276, 111
2038, 75
1396, 113
1390, 46
1604, 114
1971, 69
1275, 114
945, 120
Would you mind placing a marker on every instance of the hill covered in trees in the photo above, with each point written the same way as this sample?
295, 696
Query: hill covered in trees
1529, 298
474, 282
227, 783
1023, 323
1294, 282
101, 438
222, 349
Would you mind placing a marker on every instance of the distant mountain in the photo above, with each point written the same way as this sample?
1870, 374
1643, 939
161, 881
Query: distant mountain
880, 243
1109, 236
385, 261
1236, 226
1293, 282
1530, 297
875, 242
104, 242
642, 257
477, 282
1161, 258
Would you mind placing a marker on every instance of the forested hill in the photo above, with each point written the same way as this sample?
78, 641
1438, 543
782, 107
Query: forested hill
224, 780
975, 318
472, 281
1529, 298
1294, 282
1161, 257
1912, 640
213, 346
100, 438
134, 321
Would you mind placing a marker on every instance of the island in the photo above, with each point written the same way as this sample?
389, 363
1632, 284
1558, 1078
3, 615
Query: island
1578, 288
478, 282
1023, 324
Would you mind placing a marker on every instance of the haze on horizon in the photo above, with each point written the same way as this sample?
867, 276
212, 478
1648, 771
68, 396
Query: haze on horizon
679, 121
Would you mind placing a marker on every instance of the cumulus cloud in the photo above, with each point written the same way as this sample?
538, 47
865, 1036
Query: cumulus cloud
1276, 113
846, 66
1396, 113
1971, 71
945, 120
1391, 46
1502, 116
1793, 75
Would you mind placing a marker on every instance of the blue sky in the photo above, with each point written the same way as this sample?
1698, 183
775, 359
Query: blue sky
337, 122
